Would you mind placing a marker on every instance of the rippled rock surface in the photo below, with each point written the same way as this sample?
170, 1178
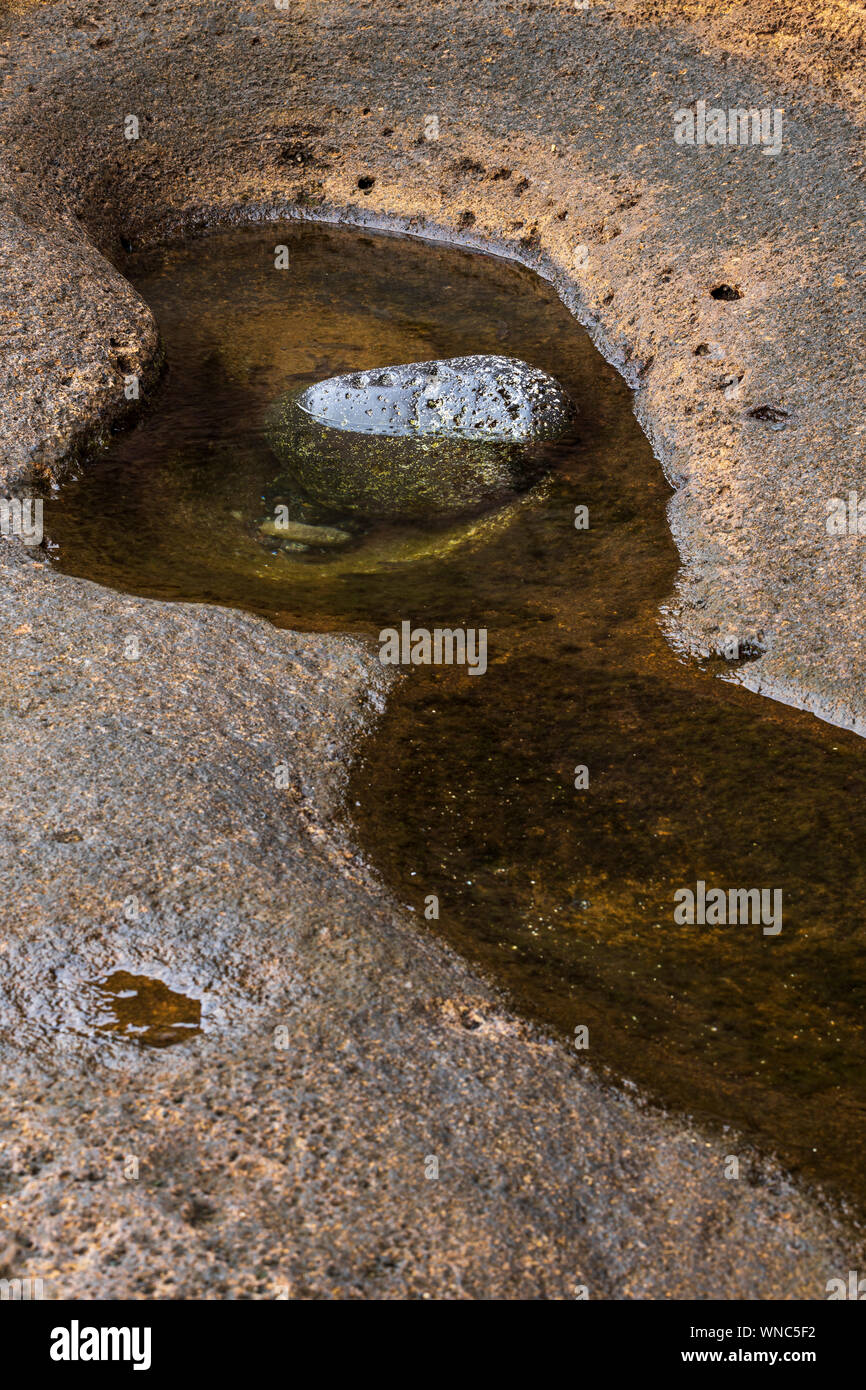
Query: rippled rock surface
422, 439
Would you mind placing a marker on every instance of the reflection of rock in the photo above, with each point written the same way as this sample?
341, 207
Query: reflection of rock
383, 548
306, 535
423, 439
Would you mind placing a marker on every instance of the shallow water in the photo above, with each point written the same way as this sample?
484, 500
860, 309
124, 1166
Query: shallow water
466, 788
142, 1010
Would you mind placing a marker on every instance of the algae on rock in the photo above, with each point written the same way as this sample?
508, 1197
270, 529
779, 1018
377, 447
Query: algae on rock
424, 439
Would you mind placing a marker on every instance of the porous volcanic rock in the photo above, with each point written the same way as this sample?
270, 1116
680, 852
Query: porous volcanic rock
422, 438
284, 1149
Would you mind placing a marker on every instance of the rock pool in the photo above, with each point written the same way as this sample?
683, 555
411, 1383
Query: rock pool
554, 808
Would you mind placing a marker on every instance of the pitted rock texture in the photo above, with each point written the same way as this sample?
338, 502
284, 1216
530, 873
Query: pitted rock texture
536, 130
420, 439
263, 1168
481, 397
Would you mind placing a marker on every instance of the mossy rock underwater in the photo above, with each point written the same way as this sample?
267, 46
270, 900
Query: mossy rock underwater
426, 439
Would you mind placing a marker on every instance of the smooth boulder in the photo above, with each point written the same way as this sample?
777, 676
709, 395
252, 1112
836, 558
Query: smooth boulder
421, 439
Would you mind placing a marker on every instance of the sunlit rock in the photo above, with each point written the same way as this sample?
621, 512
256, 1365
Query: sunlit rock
423, 439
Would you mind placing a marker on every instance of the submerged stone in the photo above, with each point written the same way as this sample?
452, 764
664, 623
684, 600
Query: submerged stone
300, 531
477, 398
421, 439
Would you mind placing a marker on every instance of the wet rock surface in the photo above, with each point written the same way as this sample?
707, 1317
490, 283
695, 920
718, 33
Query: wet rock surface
422, 438
151, 781
285, 1147
382, 475
477, 398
